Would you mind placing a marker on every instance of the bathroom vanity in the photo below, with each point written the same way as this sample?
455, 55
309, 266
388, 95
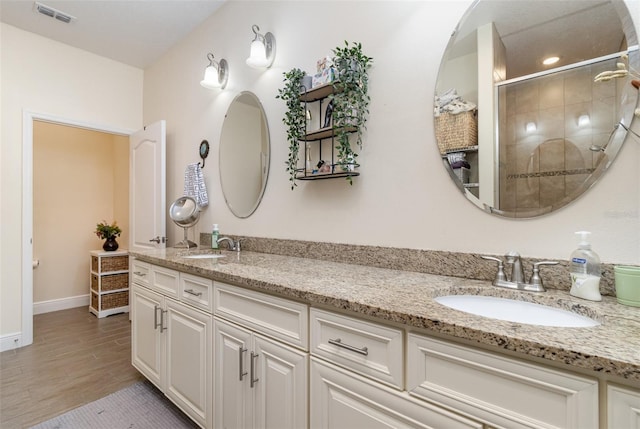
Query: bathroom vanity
263, 340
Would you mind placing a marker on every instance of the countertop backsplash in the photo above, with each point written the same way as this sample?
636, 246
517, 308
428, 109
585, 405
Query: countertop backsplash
454, 264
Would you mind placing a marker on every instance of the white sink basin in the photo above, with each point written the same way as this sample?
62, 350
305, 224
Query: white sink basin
516, 311
204, 256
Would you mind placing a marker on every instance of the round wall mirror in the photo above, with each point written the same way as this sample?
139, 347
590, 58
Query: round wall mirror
244, 154
522, 138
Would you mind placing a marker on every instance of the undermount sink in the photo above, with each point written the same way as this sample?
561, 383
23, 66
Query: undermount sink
204, 256
516, 311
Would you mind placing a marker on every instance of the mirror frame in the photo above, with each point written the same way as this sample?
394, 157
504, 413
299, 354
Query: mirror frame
627, 102
265, 165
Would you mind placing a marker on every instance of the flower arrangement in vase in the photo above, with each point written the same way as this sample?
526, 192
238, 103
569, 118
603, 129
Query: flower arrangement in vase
108, 232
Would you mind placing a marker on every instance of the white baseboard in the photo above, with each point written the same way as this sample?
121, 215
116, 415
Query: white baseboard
10, 342
14, 341
60, 304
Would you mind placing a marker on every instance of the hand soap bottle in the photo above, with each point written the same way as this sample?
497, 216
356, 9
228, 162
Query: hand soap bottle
585, 270
215, 234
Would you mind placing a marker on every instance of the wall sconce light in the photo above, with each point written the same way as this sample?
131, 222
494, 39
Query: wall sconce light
584, 120
263, 50
530, 127
216, 74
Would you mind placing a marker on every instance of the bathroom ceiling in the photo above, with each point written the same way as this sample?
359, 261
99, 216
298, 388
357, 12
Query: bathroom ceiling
134, 32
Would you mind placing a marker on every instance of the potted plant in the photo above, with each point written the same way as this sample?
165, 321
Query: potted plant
294, 119
350, 101
108, 232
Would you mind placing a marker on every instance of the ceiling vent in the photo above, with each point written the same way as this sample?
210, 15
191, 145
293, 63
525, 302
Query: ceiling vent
53, 13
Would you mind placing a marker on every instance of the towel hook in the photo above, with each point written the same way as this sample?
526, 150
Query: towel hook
204, 151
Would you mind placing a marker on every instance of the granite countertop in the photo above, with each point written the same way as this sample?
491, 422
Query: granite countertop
407, 297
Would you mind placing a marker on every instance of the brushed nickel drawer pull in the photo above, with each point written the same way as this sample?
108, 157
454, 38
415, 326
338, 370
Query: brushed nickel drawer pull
241, 362
139, 273
155, 317
253, 380
162, 327
192, 292
338, 342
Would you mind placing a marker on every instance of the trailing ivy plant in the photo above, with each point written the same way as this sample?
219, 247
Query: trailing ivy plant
350, 100
294, 118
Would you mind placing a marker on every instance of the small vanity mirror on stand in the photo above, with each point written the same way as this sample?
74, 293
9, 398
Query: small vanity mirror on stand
184, 212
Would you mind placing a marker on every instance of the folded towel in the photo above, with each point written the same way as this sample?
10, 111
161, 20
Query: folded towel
194, 185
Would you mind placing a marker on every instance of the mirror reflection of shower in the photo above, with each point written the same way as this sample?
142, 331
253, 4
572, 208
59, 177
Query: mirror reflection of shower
597, 148
185, 213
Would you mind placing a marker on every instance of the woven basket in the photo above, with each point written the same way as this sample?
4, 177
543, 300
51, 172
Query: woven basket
456, 132
110, 282
111, 263
115, 300
94, 301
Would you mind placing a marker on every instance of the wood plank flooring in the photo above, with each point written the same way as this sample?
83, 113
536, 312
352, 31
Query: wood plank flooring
75, 359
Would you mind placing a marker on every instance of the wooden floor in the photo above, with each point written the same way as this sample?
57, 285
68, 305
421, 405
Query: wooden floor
75, 359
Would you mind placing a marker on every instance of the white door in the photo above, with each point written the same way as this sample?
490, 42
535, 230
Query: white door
189, 361
231, 376
147, 188
147, 348
280, 392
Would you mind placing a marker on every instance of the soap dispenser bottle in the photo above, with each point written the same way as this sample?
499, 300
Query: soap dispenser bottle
215, 234
585, 270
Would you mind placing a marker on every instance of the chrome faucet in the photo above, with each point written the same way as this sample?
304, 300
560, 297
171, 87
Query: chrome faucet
517, 279
231, 244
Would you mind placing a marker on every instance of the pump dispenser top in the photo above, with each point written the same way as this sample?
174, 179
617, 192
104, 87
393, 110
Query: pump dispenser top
585, 270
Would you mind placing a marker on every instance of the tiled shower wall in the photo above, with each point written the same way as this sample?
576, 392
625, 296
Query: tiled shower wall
543, 149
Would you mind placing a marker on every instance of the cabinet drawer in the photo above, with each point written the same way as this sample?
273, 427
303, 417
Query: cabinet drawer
499, 390
342, 399
196, 291
279, 318
140, 272
365, 347
165, 281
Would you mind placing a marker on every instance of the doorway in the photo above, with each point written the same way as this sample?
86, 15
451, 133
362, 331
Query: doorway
80, 178
29, 117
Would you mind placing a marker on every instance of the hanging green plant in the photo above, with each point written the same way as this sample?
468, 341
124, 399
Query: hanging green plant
294, 118
350, 101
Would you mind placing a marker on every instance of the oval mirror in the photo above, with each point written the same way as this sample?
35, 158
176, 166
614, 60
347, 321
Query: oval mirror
521, 138
244, 154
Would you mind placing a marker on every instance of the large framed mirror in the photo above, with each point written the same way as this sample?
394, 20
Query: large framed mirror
521, 138
244, 154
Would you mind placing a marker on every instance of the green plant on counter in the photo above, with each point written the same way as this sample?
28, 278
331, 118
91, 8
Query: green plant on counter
105, 230
294, 119
350, 100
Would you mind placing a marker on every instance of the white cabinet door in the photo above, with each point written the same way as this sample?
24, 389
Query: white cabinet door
231, 376
146, 341
499, 390
189, 382
280, 385
623, 407
259, 382
343, 399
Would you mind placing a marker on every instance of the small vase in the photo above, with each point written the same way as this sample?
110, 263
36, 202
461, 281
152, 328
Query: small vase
110, 245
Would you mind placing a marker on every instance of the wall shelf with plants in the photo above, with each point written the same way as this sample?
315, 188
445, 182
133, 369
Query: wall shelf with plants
344, 119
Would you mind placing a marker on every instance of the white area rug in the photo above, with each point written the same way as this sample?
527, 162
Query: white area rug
139, 406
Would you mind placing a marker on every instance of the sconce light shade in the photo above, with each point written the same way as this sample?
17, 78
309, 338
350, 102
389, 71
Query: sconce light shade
263, 50
584, 120
216, 74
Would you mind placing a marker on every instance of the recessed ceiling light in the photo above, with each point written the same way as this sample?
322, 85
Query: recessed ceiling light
52, 12
550, 60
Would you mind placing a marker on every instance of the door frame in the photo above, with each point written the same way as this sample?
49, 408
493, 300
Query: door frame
28, 117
